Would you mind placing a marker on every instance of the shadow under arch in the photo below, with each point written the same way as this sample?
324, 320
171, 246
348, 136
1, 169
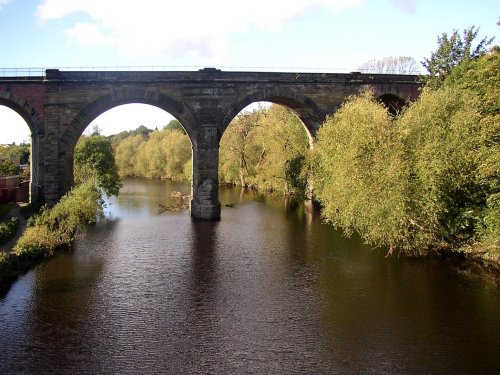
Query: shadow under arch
301, 106
35, 123
110, 101
394, 103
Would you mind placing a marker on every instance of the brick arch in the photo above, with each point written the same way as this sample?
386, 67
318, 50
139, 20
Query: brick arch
24, 109
121, 97
303, 107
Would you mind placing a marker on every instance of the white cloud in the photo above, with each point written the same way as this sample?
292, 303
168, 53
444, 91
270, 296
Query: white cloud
3, 3
152, 27
85, 34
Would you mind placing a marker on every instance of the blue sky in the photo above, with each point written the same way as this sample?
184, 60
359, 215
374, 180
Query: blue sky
331, 35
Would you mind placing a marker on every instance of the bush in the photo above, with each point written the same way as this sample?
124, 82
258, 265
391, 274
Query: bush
37, 242
57, 226
8, 230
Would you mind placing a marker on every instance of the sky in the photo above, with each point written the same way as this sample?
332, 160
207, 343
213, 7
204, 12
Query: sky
277, 35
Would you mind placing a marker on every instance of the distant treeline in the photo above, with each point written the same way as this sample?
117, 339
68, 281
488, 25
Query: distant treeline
264, 149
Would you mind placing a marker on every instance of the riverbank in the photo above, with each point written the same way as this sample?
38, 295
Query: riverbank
50, 231
16, 213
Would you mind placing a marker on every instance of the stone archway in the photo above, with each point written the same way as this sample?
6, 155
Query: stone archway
304, 108
107, 102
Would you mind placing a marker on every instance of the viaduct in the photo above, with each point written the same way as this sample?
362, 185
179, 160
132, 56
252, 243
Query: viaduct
61, 104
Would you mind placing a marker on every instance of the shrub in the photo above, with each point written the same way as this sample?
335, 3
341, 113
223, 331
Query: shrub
57, 226
8, 229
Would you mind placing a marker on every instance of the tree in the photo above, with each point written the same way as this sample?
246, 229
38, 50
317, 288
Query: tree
126, 152
453, 50
174, 125
388, 65
8, 168
284, 143
95, 161
360, 174
266, 149
239, 154
480, 79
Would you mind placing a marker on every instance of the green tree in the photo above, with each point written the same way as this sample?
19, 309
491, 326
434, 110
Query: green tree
177, 149
453, 50
360, 173
284, 145
95, 161
174, 125
239, 154
480, 81
126, 153
267, 149
442, 134
8, 168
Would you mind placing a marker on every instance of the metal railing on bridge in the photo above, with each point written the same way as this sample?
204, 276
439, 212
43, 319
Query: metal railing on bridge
40, 71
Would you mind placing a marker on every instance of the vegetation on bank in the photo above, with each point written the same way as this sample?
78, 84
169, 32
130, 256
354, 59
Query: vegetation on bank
95, 162
52, 229
266, 149
162, 154
425, 180
8, 229
56, 227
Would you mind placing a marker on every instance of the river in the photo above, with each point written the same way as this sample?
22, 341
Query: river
268, 289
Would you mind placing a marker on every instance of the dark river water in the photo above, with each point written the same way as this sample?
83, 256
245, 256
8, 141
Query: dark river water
267, 290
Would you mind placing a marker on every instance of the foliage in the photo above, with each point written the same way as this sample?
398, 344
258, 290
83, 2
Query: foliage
452, 51
240, 152
426, 179
8, 168
52, 229
443, 137
95, 161
174, 125
360, 173
480, 79
391, 65
19, 153
58, 225
165, 154
8, 229
266, 149
142, 131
